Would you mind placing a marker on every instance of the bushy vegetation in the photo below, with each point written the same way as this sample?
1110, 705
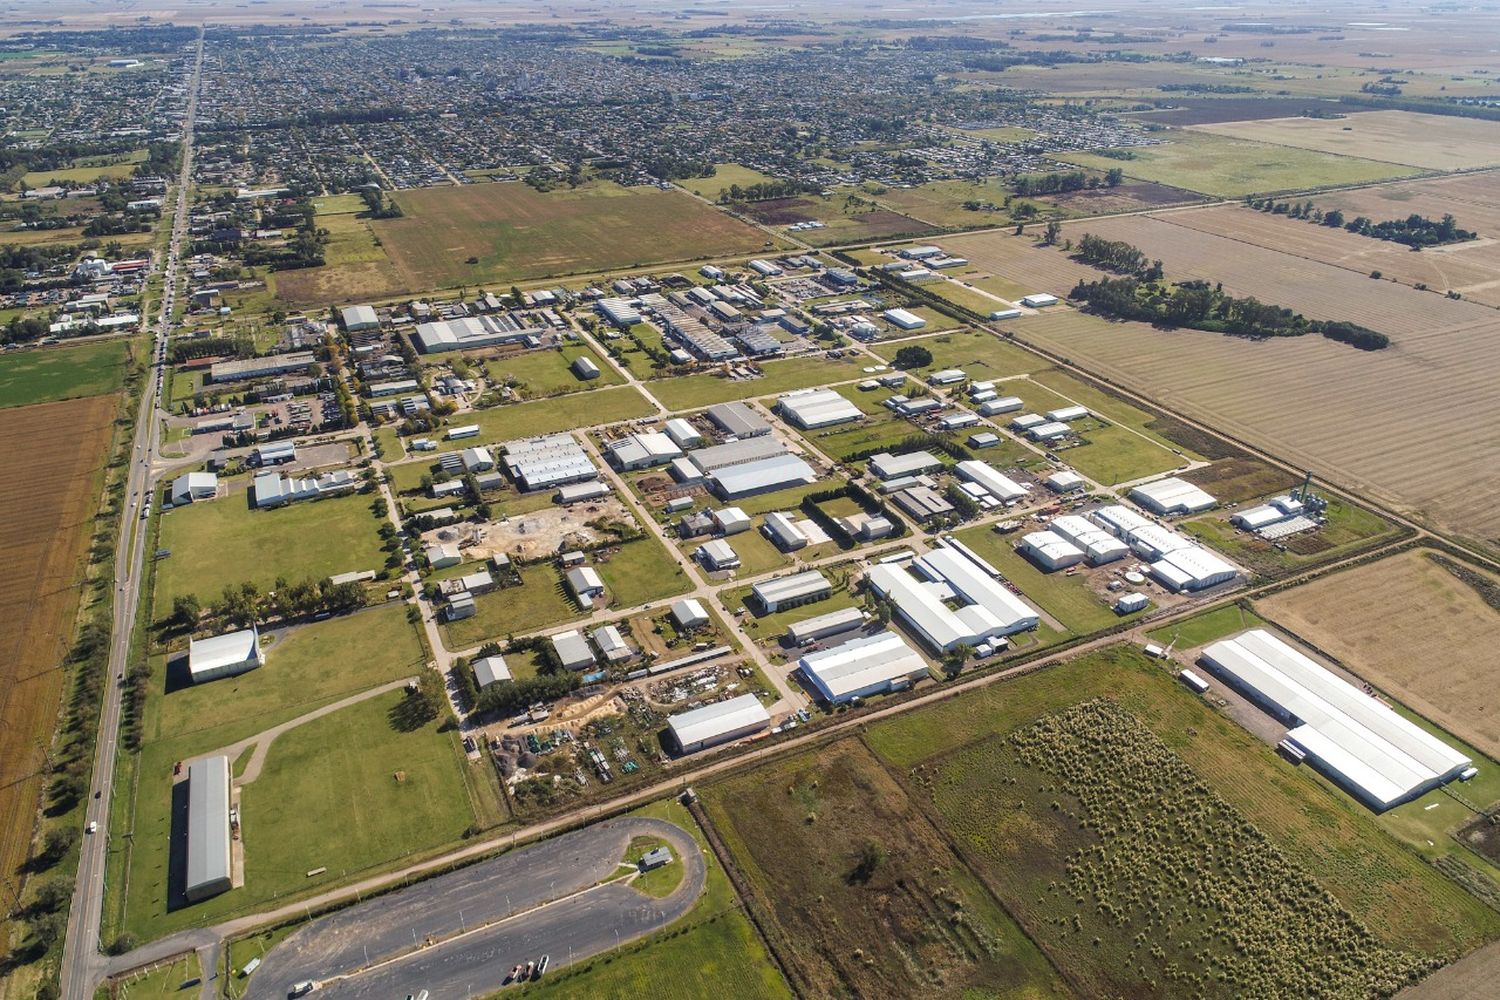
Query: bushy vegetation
1117, 256
1166, 884
1415, 231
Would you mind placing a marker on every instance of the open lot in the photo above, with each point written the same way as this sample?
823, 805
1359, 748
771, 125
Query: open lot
548, 416
515, 232
1434, 142
1412, 628
225, 541
1231, 167
839, 857
844, 221
45, 520
691, 391
1310, 400
1047, 830
982, 356
45, 374
547, 372
540, 600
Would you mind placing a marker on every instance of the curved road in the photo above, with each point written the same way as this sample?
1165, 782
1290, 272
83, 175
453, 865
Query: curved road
482, 920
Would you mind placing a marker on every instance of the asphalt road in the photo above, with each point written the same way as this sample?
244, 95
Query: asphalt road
543, 899
82, 963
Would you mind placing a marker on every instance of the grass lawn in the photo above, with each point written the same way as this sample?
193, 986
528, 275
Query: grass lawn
220, 542
774, 626
540, 600
982, 356
641, 571
1230, 168
1404, 902
788, 499
1207, 627
87, 169
45, 374
968, 298
725, 175
391, 448
1066, 598
757, 553
167, 980
941, 203
658, 882
693, 391
306, 667
548, 416
547, 372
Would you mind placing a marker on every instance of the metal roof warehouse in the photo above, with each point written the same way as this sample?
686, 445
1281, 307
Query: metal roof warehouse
719, 723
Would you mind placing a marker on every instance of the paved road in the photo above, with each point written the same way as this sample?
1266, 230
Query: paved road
543, 899
82, 963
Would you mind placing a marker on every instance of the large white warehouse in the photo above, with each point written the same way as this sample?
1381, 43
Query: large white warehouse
1172, 496
985, 475
1354, 739
719, 723
1050, 550
224, 655
989, 610
861, 667
814, 408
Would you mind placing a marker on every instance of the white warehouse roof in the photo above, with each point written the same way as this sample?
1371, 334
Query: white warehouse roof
985, 475
1172, 496
716, 723
1355, 739
864, 666
763, 476
991, 610
815, 408
490, 670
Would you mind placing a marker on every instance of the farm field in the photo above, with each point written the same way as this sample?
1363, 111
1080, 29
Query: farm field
692, 391
216, 543
516, 232
1018, 793
1130, 196
1018, 262
1412, 628
46, 517
1471, 268
1231, 167
45, 374
1263, 391
1434, 142
1472, 199
1210, 110
548, 373
839, 855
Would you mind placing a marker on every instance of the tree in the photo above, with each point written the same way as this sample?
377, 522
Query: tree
913, 356
185, 611
1053, 232
1113, 176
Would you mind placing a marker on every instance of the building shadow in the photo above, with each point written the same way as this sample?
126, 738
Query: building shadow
177, 853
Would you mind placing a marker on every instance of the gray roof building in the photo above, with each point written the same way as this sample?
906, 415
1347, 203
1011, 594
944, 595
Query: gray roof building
208, 836
738, 419
719, 723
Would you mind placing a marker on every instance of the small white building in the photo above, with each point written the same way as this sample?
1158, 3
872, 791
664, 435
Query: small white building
688, 614
192, 486
1065, 481
1050, 550
443, 555
904, 318
224, 655
1131, 603
1039, 300
717, 555
585, 583
490, 670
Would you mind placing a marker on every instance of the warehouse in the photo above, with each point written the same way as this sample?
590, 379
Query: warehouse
1049, 430
1050, 550
274, 490
253, 368
947, 376
834, 623
783, 532
585, 583
1172, 496
984, 439
682, 433
581, 492
764, 476
619, 312
1005, 404
612, 644
721, 722
1065, 481
1192, 567
738, 420
791, 591
192, 486
1026, 421
957, 421
1354, 739
544, 463
1068, 413
1038, 300
688, 614
462, 431
717, 555
641, 451
1131, 603
477, 459
359, 318
490, 670
991, 610
1001, 486
1098, 545
224, 655
273, 453
865, 527
443, 555
731, 520
922, 503
874, 664
1274, 511
584, 368
573, 652
904, 318
471, 332
715, 457
814, 408
914, 463
208, 834
395, 388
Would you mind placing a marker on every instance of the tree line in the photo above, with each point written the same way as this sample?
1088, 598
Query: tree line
1415, 231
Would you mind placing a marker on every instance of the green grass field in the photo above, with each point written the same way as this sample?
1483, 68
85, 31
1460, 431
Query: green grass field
221, 542
547, 373
43, 375
968, 298
941, 203
85, 170
548, 416
641, 571
982, 356
725, 174
540, 600
1207, 627
1064, 597
166, 980
1348, 528
1231, 168
692, 391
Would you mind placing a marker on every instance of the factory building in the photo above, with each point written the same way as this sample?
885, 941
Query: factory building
1098, 545
274, 490
731, 520
834, 623
1354, 739
914, 463
1172, 496
683, 434
989, 610
1004, 404
641, 450
814, 408
209, 870
719, 723
619, 312
688, 614
791, 591
1192, 567
1274, 511
573, 651
544, 463
273, 453
224, 655
869, 665
720, 456
783, 532
904, 318
1050, 550
717, 555
922, 503
1049, 430
581, 492
1065, 481
357, 318
1002, 487
267, 367
763, 476
472, 332
738, 420
1065, 414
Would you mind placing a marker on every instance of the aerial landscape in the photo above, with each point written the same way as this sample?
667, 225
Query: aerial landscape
624, 498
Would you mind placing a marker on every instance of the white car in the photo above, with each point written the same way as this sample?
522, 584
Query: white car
92, 827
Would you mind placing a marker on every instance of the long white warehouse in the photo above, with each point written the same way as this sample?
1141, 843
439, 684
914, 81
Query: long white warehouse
1354, 739
986, 475
718, 723
861, 667
990, 611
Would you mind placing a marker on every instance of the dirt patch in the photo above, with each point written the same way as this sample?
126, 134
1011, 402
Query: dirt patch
54, 452
541, 533
1124, 198
1482, 836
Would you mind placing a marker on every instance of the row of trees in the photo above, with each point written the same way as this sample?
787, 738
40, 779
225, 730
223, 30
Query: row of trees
764, 191
1415, 230
245, 605
1117, 256
1029, 185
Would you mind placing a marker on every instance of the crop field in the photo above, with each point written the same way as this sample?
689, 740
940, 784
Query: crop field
47, 374
866, 897
1265, 392
45, 520
1434, 142
1211, 110
1471, 268
548, 372
1018, 261
843, 222
1411, 627
1052, 815
216, 543
1131, 196
515, 232
692, 391
940, 203
1472, 199
1231, 167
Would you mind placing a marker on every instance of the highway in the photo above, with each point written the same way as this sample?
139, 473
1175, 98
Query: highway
457, 935
82, 964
